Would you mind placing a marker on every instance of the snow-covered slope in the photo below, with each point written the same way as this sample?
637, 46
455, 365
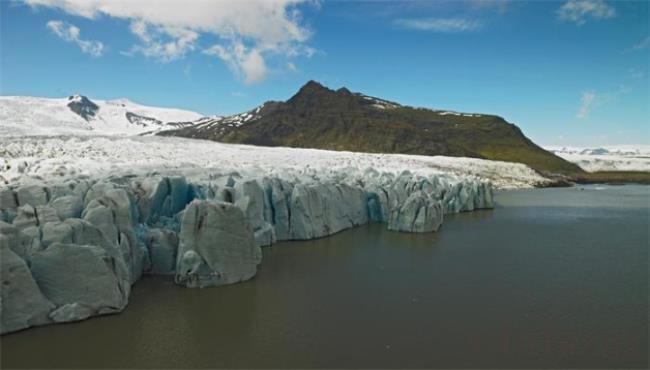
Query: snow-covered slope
72, 157
607, 158
221, 123
78, 115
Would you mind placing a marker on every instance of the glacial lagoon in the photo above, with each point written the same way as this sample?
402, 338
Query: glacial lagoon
549, 278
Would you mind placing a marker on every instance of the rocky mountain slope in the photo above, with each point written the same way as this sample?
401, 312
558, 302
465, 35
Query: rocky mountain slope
318, 117
78, 115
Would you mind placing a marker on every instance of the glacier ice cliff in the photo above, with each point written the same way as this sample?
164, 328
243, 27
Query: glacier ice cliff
72, 250
216, 245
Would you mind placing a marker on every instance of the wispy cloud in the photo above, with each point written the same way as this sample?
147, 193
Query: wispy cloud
636, 74
187, 70
71, 33
247, 63
250, 32
586, 102
641, 45
445, 25
578, 11
591, 99
163, 43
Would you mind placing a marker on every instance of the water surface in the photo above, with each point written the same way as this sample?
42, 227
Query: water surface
550, 278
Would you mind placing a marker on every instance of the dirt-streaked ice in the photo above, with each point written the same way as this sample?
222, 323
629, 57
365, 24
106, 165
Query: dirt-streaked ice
26, 158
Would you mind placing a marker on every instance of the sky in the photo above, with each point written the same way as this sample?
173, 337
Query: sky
566, 72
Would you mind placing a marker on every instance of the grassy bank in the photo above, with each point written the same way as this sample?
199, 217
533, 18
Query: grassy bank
613, 177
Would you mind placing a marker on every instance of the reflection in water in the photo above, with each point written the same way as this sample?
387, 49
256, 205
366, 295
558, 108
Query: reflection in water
551, 278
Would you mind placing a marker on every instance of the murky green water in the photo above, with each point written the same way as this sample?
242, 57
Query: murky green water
551, 278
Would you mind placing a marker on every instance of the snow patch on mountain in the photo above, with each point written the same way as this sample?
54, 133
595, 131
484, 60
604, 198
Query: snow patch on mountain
78, 115
218, 124
454, 113
379, 103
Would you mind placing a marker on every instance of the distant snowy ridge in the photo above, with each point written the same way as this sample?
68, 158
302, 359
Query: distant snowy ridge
79, 115
606, 158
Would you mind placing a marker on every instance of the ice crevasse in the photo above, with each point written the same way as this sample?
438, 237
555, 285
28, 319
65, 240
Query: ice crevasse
72, 250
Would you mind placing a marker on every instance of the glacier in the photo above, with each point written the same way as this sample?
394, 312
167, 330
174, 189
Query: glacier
83, 218
73, 247
71, 157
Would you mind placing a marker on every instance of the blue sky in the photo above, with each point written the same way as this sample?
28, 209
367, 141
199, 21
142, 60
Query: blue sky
568, 72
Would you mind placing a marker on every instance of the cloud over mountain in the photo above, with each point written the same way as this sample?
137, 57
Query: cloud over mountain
71, 33
247, 32
578, 11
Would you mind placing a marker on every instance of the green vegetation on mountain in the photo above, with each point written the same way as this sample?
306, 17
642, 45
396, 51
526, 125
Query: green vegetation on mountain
318, 117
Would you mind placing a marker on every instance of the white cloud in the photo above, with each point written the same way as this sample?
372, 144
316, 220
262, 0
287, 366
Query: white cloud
246, 63
448, 25
250, 30
180, 41
591, 99
578, 11
71, 33
586, 102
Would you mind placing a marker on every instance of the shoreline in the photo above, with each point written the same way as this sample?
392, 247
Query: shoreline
598, 177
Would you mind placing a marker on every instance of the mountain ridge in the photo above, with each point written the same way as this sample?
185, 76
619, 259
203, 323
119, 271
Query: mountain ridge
322, 118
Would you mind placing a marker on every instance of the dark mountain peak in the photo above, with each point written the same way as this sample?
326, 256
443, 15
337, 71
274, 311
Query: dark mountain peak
79, 98
316, 87
313, 95
312, 88
311, 84
82, 106
310, 93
